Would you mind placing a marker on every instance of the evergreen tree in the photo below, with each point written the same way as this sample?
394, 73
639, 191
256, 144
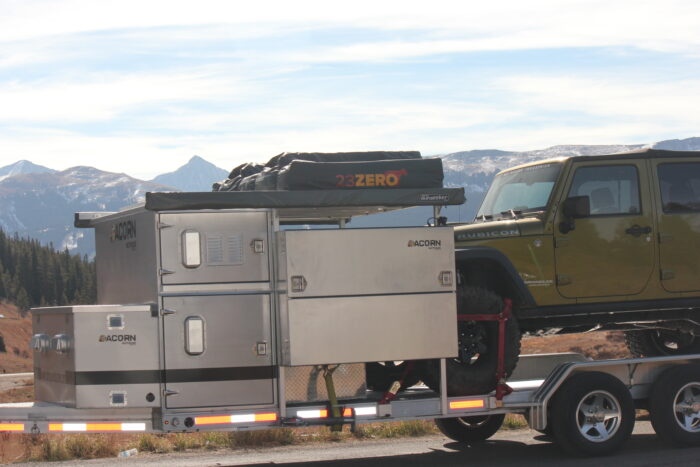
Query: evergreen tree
33, 275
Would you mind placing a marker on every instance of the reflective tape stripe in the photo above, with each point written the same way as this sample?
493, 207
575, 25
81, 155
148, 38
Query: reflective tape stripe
133, 427
11, 426
97, 427
265, 417
312, 413
359, 411
236, 418
212, 420
468, 404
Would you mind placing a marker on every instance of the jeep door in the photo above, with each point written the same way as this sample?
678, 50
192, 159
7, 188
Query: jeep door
677, 186
609, 252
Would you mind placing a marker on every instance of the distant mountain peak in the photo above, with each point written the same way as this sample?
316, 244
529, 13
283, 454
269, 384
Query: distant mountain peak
197, 174
22, 167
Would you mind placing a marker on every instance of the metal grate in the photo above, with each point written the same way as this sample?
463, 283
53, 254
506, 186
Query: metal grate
306, 383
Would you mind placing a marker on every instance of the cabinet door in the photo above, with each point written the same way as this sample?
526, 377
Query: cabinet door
218, 350
214, 247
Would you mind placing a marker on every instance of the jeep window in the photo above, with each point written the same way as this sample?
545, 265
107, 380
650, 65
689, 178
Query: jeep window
521, 190
680, 187
611, 189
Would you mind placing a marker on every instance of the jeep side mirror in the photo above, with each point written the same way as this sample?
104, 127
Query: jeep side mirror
575, 207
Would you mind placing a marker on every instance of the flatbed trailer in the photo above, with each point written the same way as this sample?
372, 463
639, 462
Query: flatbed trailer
94, 364
668, 386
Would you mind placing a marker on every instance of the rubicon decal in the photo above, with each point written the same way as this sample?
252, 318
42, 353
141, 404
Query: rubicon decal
388, 178
430, 244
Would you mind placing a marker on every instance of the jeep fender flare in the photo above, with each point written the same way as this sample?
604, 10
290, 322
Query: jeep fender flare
490, 268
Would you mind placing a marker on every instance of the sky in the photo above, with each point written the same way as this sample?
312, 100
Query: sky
141, 86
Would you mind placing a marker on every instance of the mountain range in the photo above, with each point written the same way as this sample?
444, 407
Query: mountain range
39, 202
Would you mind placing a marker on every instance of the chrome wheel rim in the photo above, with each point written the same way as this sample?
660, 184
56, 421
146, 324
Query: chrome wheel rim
474, 422
686, 407
598, 416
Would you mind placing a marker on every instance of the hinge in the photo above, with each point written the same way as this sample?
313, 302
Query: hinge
665, 237
560, 242
169, 392
165, 311
563, 279
667, 274
165, 272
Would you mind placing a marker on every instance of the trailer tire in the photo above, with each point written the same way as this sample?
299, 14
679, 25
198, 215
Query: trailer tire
660, 342
591, 414
671, 402
381, 375
470, 429
480, 351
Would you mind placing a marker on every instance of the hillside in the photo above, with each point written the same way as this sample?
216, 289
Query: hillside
42, 205
15, 331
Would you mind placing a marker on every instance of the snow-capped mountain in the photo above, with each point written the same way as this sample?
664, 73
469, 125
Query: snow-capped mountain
196, 175
39, 202
22, 167
41, 205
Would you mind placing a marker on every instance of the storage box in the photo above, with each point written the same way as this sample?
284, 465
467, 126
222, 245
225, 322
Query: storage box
96, 356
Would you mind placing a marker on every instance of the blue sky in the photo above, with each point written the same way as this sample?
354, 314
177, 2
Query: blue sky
141, 86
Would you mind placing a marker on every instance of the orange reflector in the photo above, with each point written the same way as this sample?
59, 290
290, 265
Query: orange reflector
265, 417
323, 413
55, 426
11, 426
470, 404
347, 412
212, 420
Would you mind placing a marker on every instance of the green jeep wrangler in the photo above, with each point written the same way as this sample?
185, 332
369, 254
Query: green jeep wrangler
578, 244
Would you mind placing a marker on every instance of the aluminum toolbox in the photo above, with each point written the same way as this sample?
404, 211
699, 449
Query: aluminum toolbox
96, 356
363, 295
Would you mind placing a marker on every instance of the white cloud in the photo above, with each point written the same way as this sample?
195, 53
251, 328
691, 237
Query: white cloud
104, 97
668, 102
668, 25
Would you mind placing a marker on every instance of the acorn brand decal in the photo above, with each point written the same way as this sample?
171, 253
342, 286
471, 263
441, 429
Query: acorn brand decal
129, 339
388, 178
430, 244
123, 231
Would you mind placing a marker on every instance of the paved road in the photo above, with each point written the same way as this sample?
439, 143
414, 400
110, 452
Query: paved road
508, 448
13, 380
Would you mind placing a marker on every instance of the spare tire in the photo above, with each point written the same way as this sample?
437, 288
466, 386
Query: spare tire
474, 370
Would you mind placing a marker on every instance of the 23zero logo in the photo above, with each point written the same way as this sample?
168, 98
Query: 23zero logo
388, 178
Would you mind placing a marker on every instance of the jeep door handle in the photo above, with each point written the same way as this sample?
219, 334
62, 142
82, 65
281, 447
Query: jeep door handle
637, 230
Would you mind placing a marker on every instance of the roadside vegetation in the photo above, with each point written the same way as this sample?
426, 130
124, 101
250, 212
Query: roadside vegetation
16, 448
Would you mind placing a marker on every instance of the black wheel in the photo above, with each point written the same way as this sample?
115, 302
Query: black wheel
381, 375
474, 371
660, 342
591, 414
674, 405
470, 429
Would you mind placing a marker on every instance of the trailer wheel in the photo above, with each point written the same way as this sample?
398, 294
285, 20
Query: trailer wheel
661, 342
592, 414
674, 405
474, 370
470, 429
381, 375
